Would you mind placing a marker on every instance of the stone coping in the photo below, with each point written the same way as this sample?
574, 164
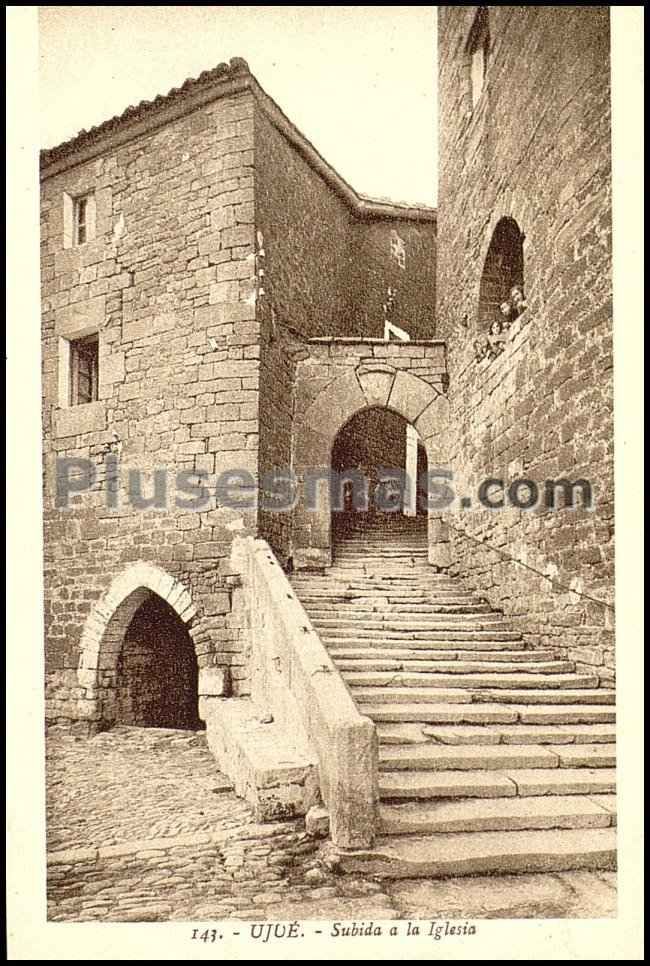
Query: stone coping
343, 738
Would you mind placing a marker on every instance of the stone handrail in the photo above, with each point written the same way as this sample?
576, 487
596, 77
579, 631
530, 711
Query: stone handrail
293, 678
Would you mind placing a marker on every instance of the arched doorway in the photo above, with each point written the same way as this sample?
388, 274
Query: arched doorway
137, 661
361, 387
377, 457
156, 680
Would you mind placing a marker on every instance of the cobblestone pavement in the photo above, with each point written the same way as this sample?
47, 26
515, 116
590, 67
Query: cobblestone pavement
143, 827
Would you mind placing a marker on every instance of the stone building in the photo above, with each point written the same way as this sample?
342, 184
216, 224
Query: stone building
217, 311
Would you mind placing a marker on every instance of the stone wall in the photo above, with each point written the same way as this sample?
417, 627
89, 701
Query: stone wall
400, 253
535, 148
306, 231
167, 283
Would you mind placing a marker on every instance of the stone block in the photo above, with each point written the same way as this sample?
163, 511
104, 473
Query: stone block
81, 318
214, 682
317, 822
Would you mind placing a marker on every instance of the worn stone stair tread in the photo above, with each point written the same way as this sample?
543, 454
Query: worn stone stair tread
608, 803
564, 781
464, 757
464, 713
570, 696
401, 694
474, 853
485, 679
458, 668
453, 622
585, 755
397, 696
328, 591
517, 734
412, 654
433, 613
445, 784
442, 643
493, 814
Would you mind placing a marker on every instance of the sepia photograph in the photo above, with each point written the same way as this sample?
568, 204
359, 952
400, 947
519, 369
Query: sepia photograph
328, 462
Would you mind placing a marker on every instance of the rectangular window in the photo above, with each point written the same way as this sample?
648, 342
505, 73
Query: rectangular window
81, 220
84, 370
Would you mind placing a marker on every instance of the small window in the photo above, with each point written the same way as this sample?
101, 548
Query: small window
478, 47
81, 220
84, 370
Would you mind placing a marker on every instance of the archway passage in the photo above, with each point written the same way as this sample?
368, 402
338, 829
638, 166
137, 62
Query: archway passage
503, 270
157, 674
370, 458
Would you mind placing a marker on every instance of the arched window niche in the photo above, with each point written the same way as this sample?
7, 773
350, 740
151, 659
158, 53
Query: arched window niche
501, 294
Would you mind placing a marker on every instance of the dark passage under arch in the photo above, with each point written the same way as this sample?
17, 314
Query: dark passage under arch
157, 672
372, 441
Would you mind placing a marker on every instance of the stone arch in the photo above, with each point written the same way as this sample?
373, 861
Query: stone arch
369, 385
503, 268
107, 624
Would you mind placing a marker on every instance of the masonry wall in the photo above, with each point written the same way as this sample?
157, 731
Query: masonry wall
307, 231
326, 273
400, 253
168, 284
535, 148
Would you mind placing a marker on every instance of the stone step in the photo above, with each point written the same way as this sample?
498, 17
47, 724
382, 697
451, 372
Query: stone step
467, 757
355, 598
445, 784
425, 638
452, 622
494, 814
465, 713
564, 781
484, 783
460, 668
533, 696
419, 581
397, 612
565, 713
439, 695
349, 639
318, 585
417, 657
519, 734
585, 755
508, 680
385, 553
371, 592
475, 853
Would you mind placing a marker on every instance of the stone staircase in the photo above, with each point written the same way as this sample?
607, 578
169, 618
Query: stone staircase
492, 757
